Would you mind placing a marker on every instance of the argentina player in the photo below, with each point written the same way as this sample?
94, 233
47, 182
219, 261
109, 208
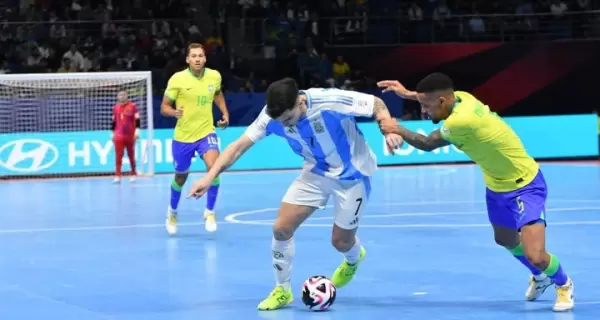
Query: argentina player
319, 126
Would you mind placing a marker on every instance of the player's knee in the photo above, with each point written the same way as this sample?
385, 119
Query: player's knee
342, 245
282, 232
537, 257
181, 178
506, 242
505, 237
344, 241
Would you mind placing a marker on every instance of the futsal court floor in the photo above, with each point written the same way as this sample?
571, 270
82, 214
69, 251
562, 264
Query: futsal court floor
88, 249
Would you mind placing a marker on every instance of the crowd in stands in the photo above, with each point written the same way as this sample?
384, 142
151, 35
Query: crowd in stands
250, 41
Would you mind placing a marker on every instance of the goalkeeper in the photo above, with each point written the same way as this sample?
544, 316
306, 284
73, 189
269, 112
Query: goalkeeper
189, 97
125, 131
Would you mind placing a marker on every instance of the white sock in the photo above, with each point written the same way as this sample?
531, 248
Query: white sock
540, 276
283, 256
353, 255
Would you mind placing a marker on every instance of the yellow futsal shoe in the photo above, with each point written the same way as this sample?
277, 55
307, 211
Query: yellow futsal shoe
278, 298
345, 272
565, 297
210, 221
171, 222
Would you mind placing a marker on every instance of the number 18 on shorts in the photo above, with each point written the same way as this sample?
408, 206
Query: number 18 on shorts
184, 152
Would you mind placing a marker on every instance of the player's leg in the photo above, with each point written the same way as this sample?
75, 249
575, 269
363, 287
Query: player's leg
307, 193
506, 234
183, 154
531, 203
350, 201
208, 149
130, 146
524, 211
509, 238
119, 150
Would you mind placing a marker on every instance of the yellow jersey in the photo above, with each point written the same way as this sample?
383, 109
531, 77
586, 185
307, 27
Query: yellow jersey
195, 96
490, 142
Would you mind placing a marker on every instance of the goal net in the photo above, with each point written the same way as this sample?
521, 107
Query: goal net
55, 125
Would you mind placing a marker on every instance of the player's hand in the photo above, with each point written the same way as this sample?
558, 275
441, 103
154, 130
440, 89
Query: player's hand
396, 87
224, 122
199, 188
178, 113
388, 126
137, 134
393, 141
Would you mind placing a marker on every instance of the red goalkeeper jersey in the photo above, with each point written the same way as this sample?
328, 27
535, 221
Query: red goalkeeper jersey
125, 116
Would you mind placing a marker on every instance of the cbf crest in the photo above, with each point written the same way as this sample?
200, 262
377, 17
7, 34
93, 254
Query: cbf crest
318, 126
211, 88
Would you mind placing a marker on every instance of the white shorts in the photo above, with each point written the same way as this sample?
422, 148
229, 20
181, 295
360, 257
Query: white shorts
350, 197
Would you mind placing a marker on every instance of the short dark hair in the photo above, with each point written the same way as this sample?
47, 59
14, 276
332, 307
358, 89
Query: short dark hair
281, 96
193, 45
435, 82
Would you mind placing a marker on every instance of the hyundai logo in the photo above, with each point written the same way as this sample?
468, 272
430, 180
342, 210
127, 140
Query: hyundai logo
28, 155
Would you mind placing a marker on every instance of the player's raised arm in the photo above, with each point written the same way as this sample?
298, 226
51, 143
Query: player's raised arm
166, 107
398, 88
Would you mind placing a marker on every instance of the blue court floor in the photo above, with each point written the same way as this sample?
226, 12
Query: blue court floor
88, 249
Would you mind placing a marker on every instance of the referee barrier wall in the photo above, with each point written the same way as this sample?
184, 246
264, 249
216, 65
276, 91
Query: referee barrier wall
92, 151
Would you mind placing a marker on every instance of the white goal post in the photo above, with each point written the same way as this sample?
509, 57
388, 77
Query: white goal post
59, 124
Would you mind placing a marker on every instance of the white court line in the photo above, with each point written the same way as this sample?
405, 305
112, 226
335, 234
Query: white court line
231, 218
418, 226
419, 214
96, 228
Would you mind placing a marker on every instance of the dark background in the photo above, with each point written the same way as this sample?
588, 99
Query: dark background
520, 57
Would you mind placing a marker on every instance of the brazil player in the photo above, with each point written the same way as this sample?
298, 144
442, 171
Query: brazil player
516, 191
189, 98
319, 126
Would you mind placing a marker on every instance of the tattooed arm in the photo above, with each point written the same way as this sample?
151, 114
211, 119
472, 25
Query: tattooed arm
421, 142
380, 110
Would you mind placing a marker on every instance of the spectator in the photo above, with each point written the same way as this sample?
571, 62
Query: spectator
75, 57
341, 70
558, 8
67, 66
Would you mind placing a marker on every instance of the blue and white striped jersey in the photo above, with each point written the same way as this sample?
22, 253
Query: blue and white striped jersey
328, 137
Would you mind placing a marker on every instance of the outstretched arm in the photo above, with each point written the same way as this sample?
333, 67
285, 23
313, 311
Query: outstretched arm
229, 156
426, 143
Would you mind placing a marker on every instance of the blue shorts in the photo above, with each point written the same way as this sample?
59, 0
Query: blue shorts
518, 208
184, 152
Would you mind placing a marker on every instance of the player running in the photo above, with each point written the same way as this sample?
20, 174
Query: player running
516, 190
319, 126
125, 127
193, 91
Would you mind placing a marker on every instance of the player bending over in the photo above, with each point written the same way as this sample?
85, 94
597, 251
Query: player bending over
125, 127
193, 91
516, 190
319, 126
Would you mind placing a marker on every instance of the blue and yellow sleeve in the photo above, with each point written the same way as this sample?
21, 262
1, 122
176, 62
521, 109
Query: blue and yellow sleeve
173, 87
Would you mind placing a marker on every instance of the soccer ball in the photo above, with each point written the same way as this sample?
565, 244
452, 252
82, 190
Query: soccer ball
318, 293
